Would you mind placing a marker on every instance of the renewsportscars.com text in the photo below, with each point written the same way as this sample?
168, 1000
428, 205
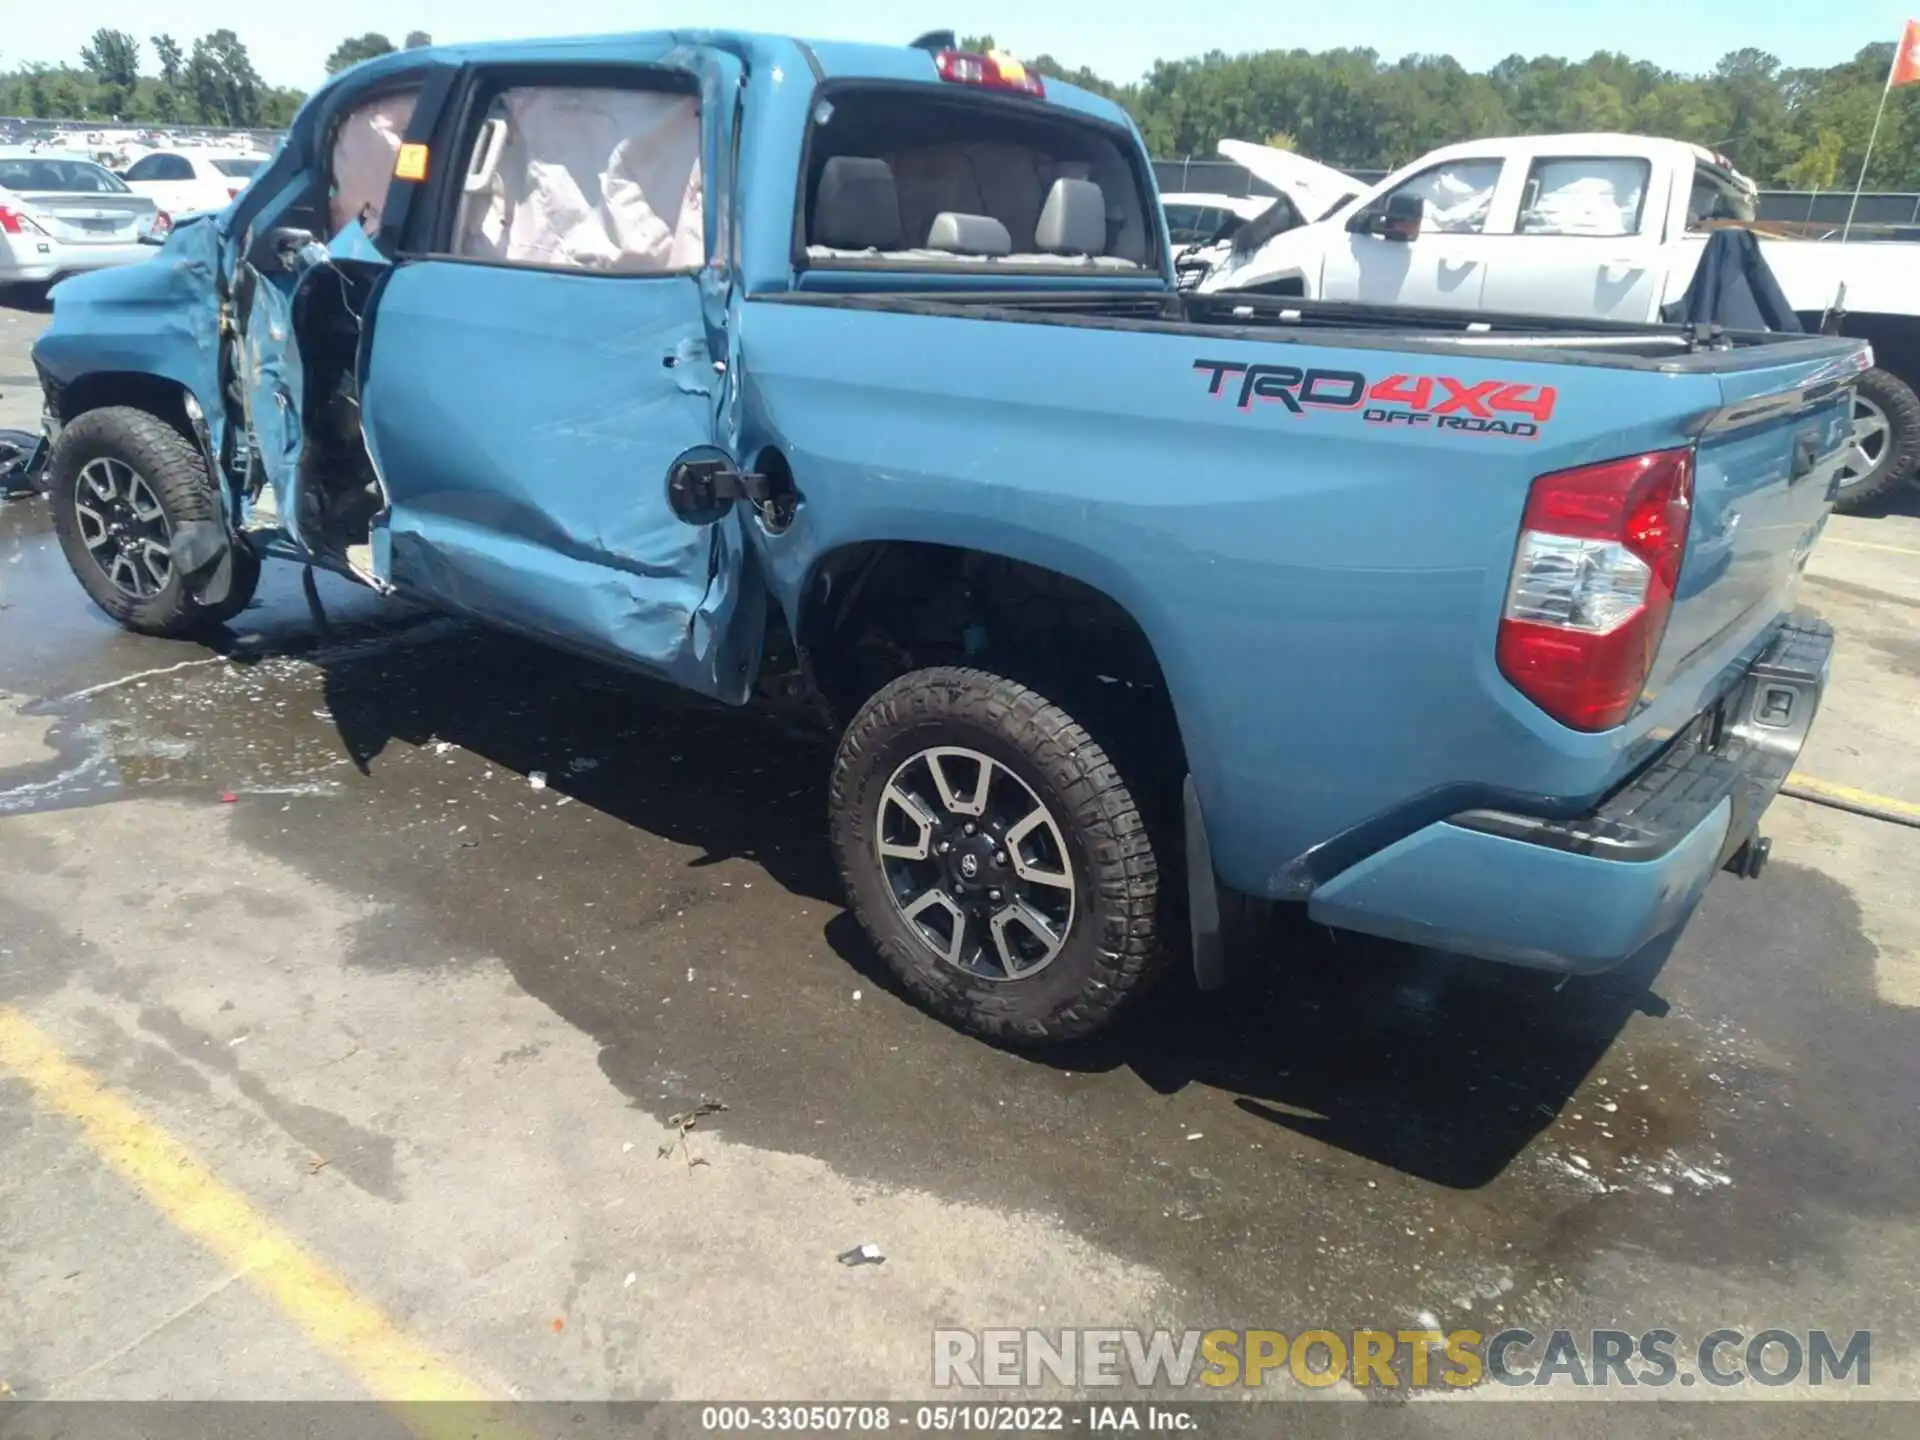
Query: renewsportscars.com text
1398, 1359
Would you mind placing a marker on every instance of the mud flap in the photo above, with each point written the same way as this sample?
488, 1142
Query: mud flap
1211, 969
203, 558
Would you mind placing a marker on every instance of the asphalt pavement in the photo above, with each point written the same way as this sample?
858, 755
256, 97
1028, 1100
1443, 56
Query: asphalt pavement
291, 904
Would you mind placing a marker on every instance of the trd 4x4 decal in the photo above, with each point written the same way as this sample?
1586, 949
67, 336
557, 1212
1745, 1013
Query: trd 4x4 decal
1480, 407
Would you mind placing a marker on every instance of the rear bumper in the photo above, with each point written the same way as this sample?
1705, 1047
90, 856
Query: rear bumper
62, 260
1585, 894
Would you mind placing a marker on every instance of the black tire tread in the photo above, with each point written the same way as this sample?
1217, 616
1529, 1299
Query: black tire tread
174, 468
1895, 397
1127, 953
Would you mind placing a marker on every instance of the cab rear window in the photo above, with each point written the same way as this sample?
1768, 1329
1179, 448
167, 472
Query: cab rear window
924, 178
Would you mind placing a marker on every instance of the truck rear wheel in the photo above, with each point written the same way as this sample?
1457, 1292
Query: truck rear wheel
122, 481
995, 857
1886, 439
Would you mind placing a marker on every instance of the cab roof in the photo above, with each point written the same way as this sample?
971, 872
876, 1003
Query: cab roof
829, 60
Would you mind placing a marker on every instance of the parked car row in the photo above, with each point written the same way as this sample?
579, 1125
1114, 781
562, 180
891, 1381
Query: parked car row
63, 215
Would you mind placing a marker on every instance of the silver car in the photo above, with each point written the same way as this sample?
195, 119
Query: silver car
62, 214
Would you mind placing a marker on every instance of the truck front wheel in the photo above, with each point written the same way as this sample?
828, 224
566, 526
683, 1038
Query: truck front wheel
122, 482
1886, 441
995, 857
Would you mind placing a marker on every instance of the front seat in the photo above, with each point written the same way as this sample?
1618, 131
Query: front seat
856, 206
1073, 221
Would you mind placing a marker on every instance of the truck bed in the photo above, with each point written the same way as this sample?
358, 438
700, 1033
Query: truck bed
1315, 540
1695, 349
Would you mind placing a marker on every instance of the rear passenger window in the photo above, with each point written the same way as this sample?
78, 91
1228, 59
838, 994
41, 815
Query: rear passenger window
584, 178
926, 178
1584, 197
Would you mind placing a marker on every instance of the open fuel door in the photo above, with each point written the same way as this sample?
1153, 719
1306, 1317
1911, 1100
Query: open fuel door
550, 348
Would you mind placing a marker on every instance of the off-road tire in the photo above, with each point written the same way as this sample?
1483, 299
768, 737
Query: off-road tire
175, 471
1113, 951
1902, 451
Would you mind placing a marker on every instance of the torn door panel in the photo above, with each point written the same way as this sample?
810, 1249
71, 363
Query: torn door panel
273, 381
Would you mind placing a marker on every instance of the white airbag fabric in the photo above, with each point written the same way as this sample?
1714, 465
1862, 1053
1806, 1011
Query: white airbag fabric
604, 180
364, 148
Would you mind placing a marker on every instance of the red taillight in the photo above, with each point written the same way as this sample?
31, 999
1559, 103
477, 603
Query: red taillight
12, 222
1592, 585
993, 72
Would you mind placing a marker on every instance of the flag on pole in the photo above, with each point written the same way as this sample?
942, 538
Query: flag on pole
1906, 60
1904, 71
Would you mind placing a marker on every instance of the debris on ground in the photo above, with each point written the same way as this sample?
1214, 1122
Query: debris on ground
537, 779
317, 1164
227, 797
864, 1255
684, 1122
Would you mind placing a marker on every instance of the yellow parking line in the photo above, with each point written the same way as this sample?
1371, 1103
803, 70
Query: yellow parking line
1846, 794
1869, 545
345, 1326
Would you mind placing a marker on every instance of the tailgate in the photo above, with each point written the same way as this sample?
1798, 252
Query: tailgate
1762, 486
91, 219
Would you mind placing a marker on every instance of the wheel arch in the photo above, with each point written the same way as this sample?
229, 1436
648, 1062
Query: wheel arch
934, 601
169, 399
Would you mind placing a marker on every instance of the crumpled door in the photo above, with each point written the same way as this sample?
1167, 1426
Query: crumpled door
360, 175
525, 406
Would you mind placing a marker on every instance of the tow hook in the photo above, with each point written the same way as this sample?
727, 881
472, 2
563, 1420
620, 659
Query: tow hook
1751, 858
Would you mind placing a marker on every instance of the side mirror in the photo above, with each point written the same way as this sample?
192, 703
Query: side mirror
1398, 217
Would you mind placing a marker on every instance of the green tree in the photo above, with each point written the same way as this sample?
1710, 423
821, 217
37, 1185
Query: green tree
222, 82
66, 99
173, 62
418, 40
1818, 165
357, 48
113, 56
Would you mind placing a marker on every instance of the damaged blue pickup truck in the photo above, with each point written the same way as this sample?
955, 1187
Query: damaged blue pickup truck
860, 372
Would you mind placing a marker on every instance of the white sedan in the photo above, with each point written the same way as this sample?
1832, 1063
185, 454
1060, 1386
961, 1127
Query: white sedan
188, 182
60, 215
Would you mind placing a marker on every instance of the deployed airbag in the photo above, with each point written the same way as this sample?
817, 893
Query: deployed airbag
363, 151
596, 179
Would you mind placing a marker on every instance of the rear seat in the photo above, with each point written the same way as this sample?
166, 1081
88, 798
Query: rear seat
859, 212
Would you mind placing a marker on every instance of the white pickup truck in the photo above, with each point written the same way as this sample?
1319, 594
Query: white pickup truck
1606, 226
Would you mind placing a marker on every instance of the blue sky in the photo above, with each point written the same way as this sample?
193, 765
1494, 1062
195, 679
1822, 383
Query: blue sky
1119, 38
